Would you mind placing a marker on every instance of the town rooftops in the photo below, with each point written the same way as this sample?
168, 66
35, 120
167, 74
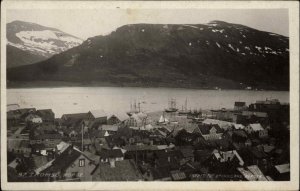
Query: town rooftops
256, 127
223, 124
124, 170
205, 128
178, 175
283, 168
75, 116
253, 173
114, 153
45, 113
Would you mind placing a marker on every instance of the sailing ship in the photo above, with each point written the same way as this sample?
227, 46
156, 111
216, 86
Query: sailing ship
134, 108
172, 106
184, 110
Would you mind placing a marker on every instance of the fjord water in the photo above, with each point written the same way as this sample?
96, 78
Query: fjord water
118, 99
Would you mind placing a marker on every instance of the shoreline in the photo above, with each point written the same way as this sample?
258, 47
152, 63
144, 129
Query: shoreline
63, 84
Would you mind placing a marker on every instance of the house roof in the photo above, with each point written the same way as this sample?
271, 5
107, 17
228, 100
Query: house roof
253, 173
283, 168
239, 104
114, 153
45, 113
98, 113
238, 126
240, 133
74, 116
205, 128
223, 124
64, 160
256, 127
124, 170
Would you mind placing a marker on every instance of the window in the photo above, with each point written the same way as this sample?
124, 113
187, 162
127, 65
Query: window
81, 162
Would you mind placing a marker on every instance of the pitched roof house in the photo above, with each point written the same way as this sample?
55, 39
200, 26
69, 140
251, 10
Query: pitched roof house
210, 132
69, 165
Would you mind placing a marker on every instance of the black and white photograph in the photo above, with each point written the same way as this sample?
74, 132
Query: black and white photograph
115, 93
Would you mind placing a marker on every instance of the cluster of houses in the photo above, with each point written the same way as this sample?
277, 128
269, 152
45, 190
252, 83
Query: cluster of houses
244, 143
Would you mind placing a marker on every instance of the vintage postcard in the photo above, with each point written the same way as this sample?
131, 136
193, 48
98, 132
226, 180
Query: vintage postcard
154, 95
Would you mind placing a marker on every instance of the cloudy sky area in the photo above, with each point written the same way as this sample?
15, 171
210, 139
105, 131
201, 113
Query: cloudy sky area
92, 22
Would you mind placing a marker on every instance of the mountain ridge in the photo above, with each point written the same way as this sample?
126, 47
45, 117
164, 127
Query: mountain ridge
217, 54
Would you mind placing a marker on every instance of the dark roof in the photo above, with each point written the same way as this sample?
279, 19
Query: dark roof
64, 160
77, 115
239, 104
114, 153
124, 170
205, 128
240, 133
45, 113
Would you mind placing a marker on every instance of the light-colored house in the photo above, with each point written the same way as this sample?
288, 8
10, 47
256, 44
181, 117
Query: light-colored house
227, 156
210, 132
258, 129
223, 124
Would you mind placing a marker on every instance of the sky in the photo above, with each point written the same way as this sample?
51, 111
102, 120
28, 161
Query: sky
92, 22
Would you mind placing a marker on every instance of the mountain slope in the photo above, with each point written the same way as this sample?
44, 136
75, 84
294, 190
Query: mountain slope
37, 40
203, 56
17, 57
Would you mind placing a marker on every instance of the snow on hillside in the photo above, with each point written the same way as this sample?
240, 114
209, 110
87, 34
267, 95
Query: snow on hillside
46, 41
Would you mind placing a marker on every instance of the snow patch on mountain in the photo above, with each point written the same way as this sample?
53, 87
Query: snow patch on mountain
45, 42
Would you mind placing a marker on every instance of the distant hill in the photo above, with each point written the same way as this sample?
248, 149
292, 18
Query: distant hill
36, 41
217, 54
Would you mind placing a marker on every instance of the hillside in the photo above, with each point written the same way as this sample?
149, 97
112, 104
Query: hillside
217, 54
36, 41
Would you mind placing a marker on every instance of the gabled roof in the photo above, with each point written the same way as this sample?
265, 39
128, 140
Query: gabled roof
74, 116
223, 124
205, 128
64, 160
98, 113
